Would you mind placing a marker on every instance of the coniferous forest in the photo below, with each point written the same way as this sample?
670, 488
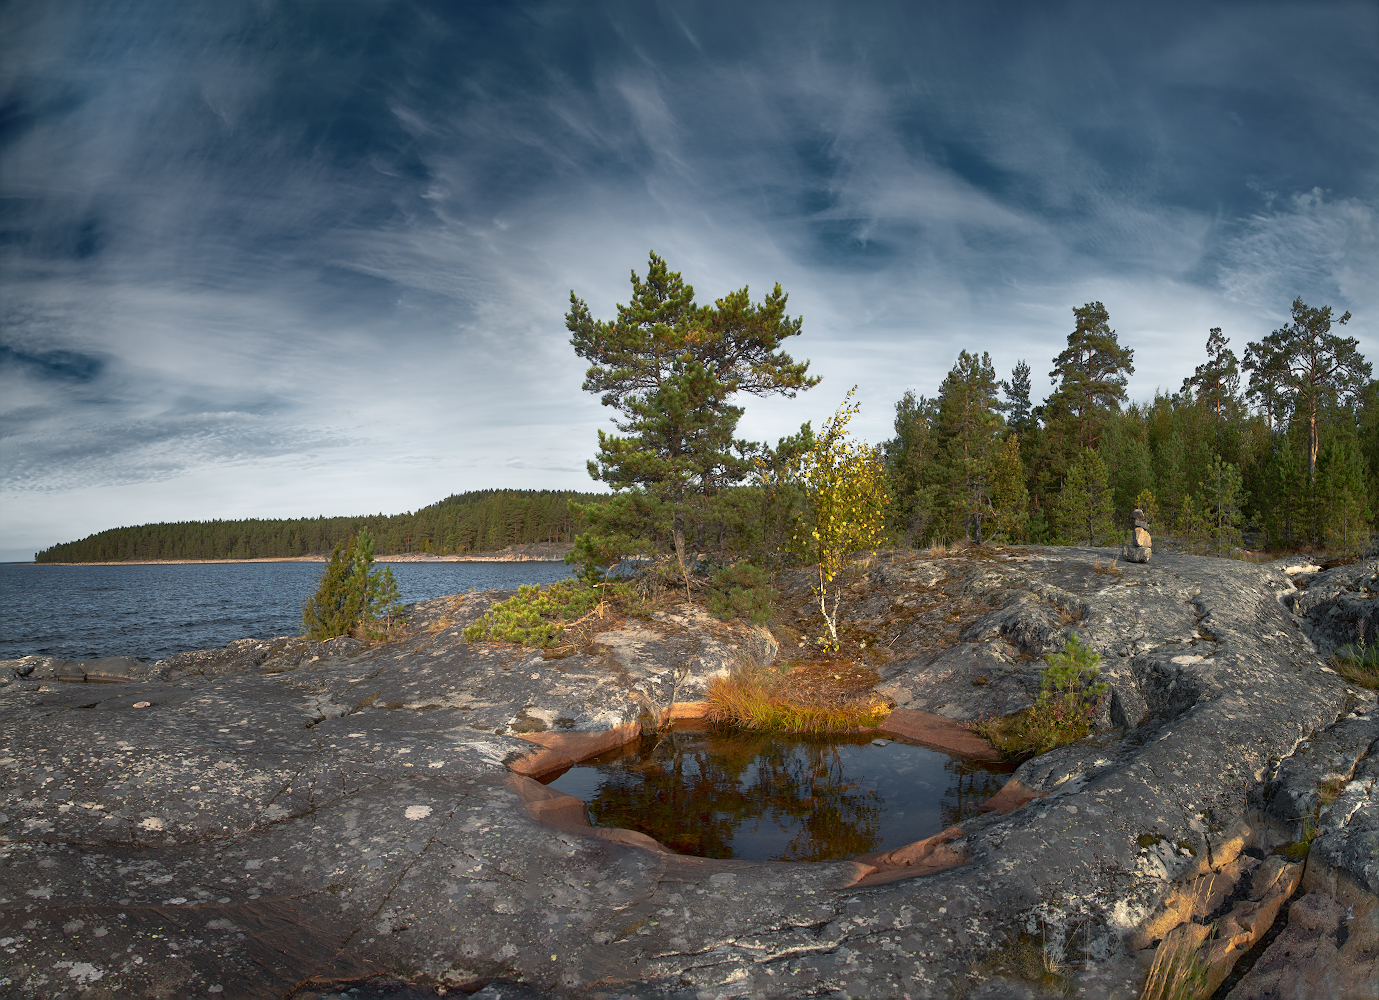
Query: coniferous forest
1275, 445
480, 521
1271, 444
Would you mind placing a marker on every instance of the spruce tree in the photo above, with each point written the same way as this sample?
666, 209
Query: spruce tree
968, 430
912, 471
1345, 510
1222, 499
1009, 495
1017, 408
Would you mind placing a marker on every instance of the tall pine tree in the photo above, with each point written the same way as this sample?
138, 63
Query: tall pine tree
1092, 371
671, 368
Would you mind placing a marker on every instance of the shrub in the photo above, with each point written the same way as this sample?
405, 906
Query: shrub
1069, 696
536, 616
593, 553
353, 595
743, 590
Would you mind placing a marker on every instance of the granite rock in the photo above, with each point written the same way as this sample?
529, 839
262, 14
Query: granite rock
283, 813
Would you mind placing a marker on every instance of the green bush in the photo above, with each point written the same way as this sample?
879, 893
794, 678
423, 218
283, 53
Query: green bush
352, 594
536, 616
1069, 696
593, 553
742, 590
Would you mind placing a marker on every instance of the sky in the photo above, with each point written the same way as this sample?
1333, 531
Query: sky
282, 259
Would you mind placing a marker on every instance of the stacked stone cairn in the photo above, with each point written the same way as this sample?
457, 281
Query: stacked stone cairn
1141, 546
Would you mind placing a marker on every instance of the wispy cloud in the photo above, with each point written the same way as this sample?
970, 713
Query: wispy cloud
317, 258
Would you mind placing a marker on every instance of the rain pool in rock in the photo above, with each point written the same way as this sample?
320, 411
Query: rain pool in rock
725, 793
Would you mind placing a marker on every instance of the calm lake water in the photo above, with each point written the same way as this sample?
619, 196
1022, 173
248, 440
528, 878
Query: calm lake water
150, 612
720, 793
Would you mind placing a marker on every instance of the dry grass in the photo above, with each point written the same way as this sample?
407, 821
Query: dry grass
1110, 569
1179, 971
1358, 666
811, 698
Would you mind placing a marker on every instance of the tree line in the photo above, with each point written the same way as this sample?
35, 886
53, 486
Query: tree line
1280, 443
478, 521
1277, 446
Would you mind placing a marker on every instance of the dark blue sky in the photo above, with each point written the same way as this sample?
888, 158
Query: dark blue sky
299, 258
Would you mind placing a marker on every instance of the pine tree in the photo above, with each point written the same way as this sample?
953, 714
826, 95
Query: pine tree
671, 368
1307, 367
1092, 371
1215, 383
352, 594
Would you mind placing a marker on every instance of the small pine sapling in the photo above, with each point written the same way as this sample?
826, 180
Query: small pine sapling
352, 594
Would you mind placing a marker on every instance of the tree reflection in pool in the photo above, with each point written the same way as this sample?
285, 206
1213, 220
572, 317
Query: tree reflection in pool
727, 793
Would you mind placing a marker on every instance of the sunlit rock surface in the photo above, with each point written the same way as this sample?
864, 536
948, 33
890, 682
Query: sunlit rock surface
243, 821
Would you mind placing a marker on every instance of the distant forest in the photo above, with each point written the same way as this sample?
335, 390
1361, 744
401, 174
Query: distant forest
480, 521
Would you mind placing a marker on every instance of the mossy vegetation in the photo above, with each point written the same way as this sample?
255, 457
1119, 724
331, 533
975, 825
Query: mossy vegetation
1069, 697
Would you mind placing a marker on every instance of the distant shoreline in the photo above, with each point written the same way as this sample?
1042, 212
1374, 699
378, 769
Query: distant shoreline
406, 558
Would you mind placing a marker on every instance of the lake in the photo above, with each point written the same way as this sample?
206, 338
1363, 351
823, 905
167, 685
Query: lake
151, 612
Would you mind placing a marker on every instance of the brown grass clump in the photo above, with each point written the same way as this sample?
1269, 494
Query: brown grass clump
1110, 569
1358, 667
1180, 968
812, 698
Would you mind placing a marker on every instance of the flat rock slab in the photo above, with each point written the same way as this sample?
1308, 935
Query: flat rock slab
285, 814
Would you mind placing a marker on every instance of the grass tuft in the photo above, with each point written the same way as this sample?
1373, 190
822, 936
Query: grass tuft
759, 698
1358, 664
1110, 569
1179, 971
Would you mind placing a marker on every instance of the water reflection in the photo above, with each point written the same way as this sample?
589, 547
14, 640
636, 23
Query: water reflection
728, 794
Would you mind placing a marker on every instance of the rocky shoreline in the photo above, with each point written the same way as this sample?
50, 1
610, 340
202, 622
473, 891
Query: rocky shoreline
282, 817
